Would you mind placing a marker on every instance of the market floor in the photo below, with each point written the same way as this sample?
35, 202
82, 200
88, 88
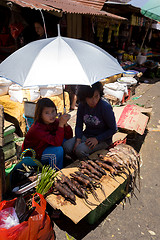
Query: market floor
140, 217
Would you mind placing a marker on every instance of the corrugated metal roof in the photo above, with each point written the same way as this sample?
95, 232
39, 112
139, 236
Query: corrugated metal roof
118, 1
91, 3
92, 7
71, 6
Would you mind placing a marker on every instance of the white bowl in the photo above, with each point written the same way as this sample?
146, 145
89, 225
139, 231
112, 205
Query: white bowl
130, 73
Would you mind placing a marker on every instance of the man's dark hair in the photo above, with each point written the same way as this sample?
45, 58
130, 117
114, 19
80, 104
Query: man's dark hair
85, 91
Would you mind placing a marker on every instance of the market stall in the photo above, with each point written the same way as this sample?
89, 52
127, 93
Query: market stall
113, 183
107, 193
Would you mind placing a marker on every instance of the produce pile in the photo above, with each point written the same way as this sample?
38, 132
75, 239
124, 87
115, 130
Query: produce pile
118, 161
46, 180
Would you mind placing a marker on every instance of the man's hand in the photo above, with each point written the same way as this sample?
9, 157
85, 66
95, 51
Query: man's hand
78, 141
91, 142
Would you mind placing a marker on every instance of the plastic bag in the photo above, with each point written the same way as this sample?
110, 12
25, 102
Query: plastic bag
8, 218
38, 225
20, 206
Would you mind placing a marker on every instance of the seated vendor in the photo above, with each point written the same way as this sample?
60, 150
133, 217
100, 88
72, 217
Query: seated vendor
99, 119
47, 133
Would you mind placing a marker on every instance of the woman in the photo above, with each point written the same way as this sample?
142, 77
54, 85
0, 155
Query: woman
99, 120
47, 133
39, 30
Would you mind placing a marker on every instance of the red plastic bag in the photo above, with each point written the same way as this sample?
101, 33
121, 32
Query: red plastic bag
38, 226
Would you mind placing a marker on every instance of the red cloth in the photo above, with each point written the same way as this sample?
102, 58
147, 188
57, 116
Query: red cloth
3, 39
40, 136
16, 29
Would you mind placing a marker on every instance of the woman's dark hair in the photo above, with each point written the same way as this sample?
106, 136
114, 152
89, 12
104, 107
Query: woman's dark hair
41, 104
85, 91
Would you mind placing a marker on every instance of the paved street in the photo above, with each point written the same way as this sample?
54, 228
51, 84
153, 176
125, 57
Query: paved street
140, 217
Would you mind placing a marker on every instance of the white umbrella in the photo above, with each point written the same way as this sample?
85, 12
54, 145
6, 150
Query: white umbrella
59, 60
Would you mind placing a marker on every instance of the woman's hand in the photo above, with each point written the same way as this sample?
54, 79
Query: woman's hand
78, 141
91, 142
63, 119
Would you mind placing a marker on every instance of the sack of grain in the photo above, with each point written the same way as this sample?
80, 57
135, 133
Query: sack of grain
4, 86
50, 90
18, 94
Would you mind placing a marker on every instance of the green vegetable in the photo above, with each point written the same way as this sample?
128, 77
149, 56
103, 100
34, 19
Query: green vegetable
68, 238
46, 180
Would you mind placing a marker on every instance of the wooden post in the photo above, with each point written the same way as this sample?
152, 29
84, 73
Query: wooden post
144, 38
2, 164
2, 176
1, 125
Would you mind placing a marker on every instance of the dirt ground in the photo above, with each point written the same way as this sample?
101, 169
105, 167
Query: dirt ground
140, 217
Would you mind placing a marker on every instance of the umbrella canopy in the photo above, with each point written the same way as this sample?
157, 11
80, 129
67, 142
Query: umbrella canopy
59, 60
149, 8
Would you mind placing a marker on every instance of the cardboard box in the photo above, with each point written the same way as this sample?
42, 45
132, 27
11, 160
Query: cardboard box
105, 207
81, 209
112, 99
132, 117
119, 136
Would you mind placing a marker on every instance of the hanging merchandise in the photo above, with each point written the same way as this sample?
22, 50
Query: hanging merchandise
100, 32
137, 21
150, 35
116, 30
109, 35
133, 20
93, 25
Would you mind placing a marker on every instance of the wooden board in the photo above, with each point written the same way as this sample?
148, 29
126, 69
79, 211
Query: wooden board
2, 166
81, 209
9, 150
8, 138
9, 130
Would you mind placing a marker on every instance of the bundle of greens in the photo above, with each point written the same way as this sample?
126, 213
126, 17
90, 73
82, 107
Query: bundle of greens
46, 180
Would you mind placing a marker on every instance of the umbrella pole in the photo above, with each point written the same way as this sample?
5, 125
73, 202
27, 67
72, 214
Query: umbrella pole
64, 99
